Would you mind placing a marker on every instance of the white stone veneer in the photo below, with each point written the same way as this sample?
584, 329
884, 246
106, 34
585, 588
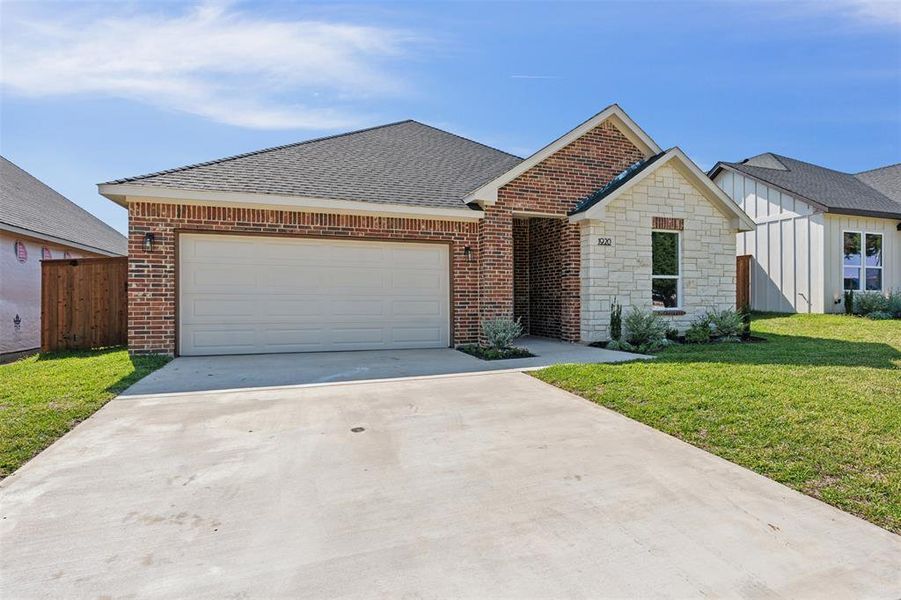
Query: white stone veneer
623, 270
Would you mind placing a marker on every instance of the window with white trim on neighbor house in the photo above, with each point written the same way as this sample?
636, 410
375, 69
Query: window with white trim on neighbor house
665, 272
862, 263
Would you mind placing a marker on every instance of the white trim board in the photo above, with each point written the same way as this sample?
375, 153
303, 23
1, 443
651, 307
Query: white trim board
123, 193
53, 239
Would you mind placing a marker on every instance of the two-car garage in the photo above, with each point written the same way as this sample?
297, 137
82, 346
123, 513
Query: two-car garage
243, 294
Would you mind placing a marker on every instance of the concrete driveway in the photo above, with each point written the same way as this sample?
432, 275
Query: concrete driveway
480, 486
244, 371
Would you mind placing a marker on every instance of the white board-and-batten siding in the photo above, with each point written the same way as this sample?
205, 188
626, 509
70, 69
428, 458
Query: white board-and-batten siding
836, 225
787, 272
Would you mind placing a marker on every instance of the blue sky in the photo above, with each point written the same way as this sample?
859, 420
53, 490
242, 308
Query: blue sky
93, 92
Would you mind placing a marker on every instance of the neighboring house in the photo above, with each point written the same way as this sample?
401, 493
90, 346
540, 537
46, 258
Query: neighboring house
407, 236
37, 223
819, 232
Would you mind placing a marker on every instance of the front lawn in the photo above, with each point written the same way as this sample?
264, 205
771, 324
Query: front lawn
816, 407
44, 396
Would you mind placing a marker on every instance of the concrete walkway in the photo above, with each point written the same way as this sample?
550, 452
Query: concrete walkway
475, 486
204, 373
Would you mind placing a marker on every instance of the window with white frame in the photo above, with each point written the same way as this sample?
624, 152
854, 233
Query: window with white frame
862, 261
666, 284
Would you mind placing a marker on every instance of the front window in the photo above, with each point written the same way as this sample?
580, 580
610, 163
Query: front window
665, 274
862, 261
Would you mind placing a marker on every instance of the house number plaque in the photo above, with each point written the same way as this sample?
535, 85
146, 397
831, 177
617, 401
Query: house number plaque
605, 241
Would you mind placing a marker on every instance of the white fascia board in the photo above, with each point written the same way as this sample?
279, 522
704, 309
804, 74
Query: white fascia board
487, 194
695, 176
55, 240
123, 193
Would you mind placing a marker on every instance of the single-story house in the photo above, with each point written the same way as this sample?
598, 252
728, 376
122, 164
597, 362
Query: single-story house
37, 223
407, 236
818, 233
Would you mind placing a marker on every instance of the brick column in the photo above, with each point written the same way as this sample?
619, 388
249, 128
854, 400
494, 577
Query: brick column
570, 283
496, 264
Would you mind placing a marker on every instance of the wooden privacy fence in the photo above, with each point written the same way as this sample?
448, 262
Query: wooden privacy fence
743, 282
84, 303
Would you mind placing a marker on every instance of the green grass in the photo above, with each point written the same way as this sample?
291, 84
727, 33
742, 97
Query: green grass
44, 396
816, 407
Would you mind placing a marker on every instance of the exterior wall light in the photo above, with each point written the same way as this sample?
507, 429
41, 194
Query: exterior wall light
148, 242
467, 253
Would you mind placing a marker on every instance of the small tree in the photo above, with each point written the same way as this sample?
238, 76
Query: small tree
616, 321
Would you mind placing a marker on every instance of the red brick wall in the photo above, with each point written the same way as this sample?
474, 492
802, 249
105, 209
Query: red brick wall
151, 289
554, 186
545, 269
521, 272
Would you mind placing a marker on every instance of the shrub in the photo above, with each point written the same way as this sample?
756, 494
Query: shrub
894, 303
645, 330
868, 302
745, 324
725, 324
849, 302
698, 331
878, 315
672, 334
501, 332
616, 321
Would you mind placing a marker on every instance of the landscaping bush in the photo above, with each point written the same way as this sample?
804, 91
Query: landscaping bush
645, 331
849, 302
698, 331
894, 303
672, 334
501, 332
726, 324
616, 321
878, 315
870, 302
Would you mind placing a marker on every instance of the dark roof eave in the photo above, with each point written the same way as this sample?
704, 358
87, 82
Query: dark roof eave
863, 213
603, 192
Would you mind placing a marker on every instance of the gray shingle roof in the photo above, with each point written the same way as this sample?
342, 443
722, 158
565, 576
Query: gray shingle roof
401, 163
864, 194
27, 203
885, 179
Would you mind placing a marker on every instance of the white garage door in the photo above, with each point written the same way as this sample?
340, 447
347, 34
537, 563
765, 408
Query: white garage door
251, 295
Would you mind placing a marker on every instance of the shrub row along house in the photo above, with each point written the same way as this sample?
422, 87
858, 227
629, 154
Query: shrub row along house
819, 232
406, 236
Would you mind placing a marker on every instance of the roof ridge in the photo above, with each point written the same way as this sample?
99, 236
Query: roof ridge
255, 152
804, 162
464, 138
891, 166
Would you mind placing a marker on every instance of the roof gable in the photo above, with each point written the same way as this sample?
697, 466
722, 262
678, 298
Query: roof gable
30, 207
827, 189
593, 207
405, 163
486, 195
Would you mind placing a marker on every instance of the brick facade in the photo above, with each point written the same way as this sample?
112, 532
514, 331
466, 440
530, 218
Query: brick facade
152, 277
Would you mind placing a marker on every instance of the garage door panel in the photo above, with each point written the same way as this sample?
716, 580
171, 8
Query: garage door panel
416, 308
243, 294
428, 336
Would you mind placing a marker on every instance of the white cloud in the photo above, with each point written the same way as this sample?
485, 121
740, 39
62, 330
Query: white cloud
886, 12
213, 60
